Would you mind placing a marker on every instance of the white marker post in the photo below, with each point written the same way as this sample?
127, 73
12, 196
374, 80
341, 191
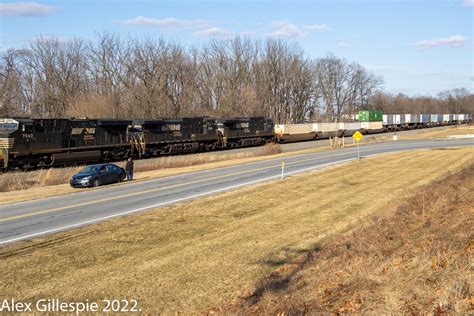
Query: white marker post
358, 152
357, 137
282, 169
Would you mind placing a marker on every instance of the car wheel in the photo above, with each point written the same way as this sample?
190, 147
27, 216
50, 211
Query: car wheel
96, 183
121, 177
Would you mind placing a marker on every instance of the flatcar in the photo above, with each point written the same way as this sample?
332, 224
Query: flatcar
370, 123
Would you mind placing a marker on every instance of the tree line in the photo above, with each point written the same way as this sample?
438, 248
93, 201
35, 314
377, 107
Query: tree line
456, 101
154, 77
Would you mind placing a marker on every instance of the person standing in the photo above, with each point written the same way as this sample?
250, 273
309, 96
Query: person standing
129, 169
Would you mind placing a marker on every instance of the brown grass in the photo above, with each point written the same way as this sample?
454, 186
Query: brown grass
204, 158
14, 181
416, 259
195, 255
441, 133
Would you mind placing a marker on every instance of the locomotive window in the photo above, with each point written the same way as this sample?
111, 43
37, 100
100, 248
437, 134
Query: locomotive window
27, 128
76, 131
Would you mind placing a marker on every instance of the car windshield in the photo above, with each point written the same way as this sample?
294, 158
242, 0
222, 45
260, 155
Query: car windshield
90, 169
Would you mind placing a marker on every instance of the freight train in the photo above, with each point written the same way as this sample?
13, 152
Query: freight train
40, 143
367, 122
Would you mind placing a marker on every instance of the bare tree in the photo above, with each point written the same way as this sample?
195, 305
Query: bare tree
56, 74
345, 88
12, 99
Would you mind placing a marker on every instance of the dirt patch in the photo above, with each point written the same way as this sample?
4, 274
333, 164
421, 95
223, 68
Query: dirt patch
415, 259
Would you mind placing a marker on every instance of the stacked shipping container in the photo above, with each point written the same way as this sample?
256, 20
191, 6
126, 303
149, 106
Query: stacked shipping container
370, 116
372, 120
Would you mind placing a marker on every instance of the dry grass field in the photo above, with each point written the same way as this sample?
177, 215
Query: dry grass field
193, 256
416, 259
434, 133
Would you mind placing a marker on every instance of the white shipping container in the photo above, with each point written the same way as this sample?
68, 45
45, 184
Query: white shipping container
350, 126
388, 119
399, 119
461, 117
411, 118
371, 125
376, 125
325, 127
291, 129
447, 117
424, 118
434, 118
278, 129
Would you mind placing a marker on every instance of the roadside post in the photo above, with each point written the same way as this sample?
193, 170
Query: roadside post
357, 136
395, 137
282, 169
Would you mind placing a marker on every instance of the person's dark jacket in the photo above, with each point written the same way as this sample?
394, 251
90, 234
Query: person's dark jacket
129, 166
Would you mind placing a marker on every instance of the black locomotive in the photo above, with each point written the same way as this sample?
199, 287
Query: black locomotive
33, 143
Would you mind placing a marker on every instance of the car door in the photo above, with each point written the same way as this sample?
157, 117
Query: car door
110, 174
104, 175
115, 171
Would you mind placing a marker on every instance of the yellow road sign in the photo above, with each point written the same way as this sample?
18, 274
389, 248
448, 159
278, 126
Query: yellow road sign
357, 136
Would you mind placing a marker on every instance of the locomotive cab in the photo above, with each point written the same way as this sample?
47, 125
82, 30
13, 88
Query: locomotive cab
8, 131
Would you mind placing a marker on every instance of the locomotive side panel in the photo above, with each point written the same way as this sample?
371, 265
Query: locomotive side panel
246, 131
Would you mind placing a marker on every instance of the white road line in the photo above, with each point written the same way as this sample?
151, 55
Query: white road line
168, 203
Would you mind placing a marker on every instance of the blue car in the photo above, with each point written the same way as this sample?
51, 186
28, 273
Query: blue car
95, 175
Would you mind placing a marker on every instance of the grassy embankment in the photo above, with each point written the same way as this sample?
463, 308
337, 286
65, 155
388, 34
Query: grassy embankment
192, 256
417, 258
441, 133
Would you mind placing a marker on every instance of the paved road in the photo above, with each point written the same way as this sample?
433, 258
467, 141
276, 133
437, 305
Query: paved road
29, 219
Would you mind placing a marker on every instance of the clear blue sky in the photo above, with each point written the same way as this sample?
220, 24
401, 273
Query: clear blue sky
418, 46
